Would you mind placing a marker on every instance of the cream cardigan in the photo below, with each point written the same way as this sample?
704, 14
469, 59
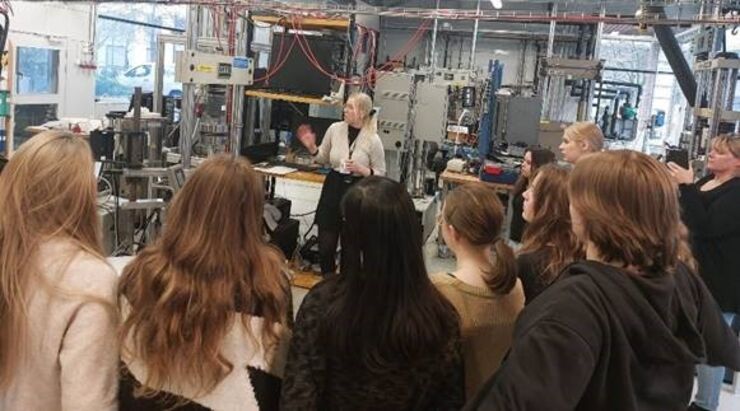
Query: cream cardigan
72, 345
367, 148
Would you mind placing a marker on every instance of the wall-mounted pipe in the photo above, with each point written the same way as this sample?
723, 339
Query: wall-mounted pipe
576, 90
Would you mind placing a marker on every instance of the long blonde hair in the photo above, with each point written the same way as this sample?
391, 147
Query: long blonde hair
48, 190
211, 266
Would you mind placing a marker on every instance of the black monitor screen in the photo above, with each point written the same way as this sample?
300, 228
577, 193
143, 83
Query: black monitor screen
298, 75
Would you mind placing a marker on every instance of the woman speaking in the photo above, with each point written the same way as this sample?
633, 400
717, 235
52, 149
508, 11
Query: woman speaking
353, 150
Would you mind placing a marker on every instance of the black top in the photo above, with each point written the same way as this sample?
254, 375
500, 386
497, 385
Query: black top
316, 380
516, 228
266, 390
713, 218
352, 136
603, 339
530, 268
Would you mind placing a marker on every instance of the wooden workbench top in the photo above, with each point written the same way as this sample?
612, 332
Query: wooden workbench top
454, 177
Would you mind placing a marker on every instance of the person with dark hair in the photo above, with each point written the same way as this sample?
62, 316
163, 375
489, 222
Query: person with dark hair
378, 336
484, 288
549, 243
624, 329
353, 150
534, 158
711, 210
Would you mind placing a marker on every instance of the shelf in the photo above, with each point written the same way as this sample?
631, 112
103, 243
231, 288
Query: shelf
726, 115
293, 98
306, 23
719, 63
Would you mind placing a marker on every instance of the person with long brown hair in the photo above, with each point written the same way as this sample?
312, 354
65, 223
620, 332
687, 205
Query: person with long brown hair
378, 336
206, 307
534, 158
484, 288
58, 342
623, 329
711, 209
549, 243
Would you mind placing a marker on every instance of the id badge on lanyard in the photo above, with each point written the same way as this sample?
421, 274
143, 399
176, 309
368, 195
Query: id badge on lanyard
348, 177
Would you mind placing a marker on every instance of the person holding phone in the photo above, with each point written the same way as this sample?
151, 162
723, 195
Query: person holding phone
711, 210
353, 150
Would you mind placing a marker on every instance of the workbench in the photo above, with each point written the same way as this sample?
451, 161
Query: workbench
450, 179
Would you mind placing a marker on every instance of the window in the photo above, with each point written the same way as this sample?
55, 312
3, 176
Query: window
127, 52
37, 71
115, 56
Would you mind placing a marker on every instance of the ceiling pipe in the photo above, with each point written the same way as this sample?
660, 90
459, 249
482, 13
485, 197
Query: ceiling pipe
675, 57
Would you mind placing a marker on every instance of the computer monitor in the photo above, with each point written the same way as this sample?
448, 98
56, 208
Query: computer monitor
258, 153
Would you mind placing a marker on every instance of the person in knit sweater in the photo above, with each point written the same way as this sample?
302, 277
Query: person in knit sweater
484, 289
58, 342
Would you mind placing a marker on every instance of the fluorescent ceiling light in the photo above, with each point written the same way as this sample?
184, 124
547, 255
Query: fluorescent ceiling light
497, 4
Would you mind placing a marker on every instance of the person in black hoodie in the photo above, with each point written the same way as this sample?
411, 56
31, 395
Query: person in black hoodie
623, 329
711, 210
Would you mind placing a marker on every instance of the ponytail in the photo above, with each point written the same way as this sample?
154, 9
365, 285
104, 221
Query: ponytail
503, 277
371, 121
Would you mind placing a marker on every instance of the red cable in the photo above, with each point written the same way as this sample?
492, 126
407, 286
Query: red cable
280, 63
365, 78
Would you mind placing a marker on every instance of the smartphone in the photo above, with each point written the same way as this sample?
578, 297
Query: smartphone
678, 156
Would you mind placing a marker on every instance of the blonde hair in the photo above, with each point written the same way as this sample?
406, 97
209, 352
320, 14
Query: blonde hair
48, 190
210, 266
727, 143
587, 132
365, 104
630, 211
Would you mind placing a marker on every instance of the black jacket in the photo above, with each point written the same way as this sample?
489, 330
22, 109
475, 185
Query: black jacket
602, 339
713, 218
516, 228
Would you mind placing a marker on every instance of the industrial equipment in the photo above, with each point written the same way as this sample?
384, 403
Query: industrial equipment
395, 95
194, 67
716, 80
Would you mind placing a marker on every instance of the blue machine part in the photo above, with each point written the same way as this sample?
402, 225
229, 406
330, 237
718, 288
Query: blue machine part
485, 132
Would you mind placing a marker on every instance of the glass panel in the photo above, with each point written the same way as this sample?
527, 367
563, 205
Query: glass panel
170, 87
37, 71
127, 52
31, 115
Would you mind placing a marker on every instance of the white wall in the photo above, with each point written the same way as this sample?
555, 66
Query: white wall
65, 26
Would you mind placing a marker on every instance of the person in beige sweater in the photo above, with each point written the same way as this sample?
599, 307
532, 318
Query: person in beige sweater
484, 288
58, 342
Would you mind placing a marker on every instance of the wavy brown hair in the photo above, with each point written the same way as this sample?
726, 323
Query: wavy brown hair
477, 214
48, 191
630, 210
210, 267
550, 228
